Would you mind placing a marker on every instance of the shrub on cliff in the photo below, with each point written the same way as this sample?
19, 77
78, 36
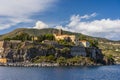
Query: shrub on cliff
22, 37
61, 61
41, 59
46, 37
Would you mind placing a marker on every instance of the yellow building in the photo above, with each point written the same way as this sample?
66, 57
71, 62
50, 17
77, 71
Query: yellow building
3, 60
60, 36
34, 38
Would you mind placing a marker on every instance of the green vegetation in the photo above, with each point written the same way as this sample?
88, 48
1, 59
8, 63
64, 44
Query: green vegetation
46, 34
93, 43
65, 43
38, 32
110, 51
24, 36
61, 60
40, 59
78, 60
8, 39
82, 37
21, 36
46, 37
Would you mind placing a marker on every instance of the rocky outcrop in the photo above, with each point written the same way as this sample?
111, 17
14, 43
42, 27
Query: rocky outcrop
26, 51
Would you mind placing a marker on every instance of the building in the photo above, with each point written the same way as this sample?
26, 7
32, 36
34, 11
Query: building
84, 43
3, 60
60, 36
34, 38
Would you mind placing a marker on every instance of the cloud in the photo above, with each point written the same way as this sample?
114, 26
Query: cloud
23, 7
7, 22
105, 28
40, 25
14, 12
75, 19
87, 16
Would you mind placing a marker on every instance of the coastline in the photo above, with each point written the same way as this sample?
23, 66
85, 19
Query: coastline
44, 65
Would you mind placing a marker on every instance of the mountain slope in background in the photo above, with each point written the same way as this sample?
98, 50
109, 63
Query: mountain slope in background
38, 32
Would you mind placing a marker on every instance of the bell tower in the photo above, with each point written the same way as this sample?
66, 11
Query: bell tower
60, 32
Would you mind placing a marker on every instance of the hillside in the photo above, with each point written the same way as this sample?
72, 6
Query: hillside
108, 47
38, 32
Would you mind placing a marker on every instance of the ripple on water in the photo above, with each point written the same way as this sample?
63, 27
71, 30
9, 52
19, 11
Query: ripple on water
60, 73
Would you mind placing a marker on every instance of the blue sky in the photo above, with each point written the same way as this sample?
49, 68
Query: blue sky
100, 18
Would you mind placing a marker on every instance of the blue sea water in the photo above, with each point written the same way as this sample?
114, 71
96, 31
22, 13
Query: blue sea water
61, 73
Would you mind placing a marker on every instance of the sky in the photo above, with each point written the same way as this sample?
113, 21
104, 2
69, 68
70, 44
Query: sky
98, 18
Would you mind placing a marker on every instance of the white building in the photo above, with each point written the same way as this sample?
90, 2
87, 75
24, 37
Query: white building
84, 43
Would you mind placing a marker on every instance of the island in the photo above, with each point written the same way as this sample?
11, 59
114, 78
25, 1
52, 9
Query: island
51, 49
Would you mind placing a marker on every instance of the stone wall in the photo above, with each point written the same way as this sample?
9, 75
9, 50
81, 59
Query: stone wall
86, 52
78, 51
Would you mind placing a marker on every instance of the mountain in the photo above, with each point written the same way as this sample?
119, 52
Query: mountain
38, 32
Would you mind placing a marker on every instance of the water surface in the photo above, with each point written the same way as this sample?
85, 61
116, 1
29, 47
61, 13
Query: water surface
61, 73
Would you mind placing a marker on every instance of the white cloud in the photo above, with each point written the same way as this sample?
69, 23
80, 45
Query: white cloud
75, 19
106, 28
7, 22
23, 7
40, 25
87, 16
14, 12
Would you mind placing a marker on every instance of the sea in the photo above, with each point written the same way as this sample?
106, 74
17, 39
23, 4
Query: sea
111, 72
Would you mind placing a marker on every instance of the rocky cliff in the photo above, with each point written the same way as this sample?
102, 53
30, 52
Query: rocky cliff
17, 51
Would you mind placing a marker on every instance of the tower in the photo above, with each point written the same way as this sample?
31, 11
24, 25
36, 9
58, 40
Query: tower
60, 32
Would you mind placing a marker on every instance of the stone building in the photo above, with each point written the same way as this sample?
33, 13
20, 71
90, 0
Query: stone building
61, 36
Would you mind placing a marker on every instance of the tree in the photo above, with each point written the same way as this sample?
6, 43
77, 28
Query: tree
65, 50
22, 36
93, 43
61, 60
41, 38
49, 37
50, 58
7, 38
82, 37
46, 37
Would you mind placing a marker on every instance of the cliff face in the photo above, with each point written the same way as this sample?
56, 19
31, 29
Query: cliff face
17, 51
22, 51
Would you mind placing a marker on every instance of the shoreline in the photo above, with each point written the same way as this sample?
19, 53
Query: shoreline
43, 65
